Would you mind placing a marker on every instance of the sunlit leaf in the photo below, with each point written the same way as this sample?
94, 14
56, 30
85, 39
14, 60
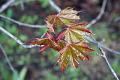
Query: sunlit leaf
75, 32
50, 41
64, 17
73, 53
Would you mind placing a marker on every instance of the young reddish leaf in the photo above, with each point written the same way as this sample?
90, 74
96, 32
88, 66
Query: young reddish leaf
44, 41
81, 24
69, 14
52, 19
64, 17
84, 58
73, 35
82, 47
76, 32
81, 27
72, 53
51, 42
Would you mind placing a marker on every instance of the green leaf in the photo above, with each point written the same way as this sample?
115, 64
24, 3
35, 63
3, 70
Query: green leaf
9, 13
23, 73
44, 3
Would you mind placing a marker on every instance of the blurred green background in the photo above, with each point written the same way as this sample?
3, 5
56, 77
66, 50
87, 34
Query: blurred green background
30, 64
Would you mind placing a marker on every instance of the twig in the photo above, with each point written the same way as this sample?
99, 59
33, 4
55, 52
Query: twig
99, 15
6, 5
58, 9
117, 19
106, 60
22, 24
17, 40
24, 1
50, 1
22, 4
29, 25
101, 45
9, 63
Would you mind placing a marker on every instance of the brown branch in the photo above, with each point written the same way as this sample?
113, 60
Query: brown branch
58, 9
101, 45
9, 63
22, 24
106, 60
99, 15
6, 5
17, 40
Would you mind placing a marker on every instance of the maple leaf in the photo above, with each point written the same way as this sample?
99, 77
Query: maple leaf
75, 33
64, 17
50, 41
45, 42
72, 53
69, 14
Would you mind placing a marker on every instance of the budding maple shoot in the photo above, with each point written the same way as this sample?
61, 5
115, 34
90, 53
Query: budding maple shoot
70, 42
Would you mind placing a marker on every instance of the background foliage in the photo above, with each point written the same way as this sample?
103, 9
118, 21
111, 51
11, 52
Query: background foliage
30, 64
